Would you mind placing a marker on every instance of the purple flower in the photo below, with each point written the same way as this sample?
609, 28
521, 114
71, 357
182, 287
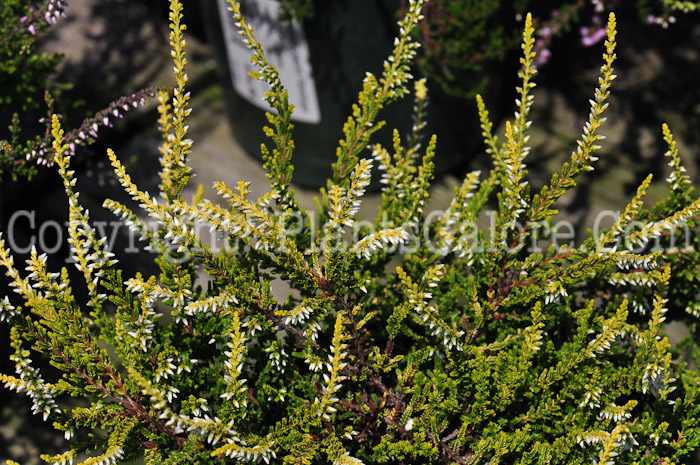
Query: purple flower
542, 57
542, 54
589, 38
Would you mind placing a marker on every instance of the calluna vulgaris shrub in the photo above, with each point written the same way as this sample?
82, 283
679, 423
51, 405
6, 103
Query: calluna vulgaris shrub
24, 77
409, 343
24, 73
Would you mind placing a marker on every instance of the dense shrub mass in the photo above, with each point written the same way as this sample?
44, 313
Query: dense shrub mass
415, 339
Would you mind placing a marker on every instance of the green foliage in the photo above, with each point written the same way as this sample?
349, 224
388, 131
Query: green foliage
411, 342
24, 74
299, 10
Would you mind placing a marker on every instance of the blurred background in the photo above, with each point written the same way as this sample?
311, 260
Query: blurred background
113, 48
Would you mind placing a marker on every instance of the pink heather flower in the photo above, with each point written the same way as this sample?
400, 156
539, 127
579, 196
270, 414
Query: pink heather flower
589, 38
542, 54
542, 57
32, 29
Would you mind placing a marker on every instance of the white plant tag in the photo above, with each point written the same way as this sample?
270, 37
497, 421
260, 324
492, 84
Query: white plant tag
285, 47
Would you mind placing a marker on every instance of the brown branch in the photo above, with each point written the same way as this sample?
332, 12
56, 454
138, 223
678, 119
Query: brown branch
132, 406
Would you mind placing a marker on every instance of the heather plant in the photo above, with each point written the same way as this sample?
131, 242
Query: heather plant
26, 84
24, 73
403, 341
465, 41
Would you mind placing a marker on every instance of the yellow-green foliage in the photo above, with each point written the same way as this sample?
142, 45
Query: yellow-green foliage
412, 343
